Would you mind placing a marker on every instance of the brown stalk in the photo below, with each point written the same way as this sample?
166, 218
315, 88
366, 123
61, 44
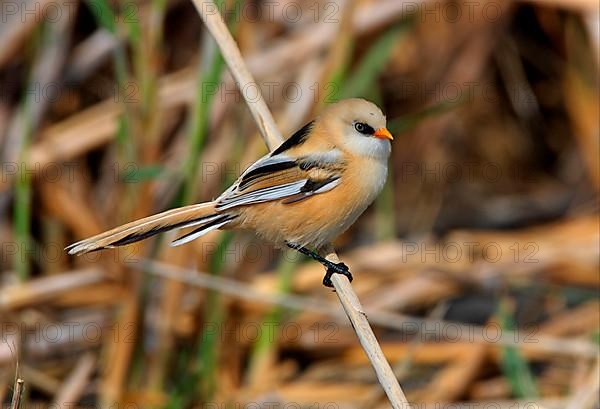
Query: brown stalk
73, 387
39, 290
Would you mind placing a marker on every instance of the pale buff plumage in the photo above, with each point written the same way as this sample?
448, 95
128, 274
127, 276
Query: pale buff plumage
307, 192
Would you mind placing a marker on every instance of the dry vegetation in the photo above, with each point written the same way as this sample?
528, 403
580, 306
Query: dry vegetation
478, 265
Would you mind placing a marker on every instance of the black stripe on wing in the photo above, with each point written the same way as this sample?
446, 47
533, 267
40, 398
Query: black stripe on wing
270, 168
296, 139
312, 187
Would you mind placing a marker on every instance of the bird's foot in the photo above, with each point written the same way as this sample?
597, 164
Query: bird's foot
336, 268
331, 267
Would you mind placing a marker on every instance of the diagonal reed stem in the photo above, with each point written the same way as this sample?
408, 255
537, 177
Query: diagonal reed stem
17, 393
270, 133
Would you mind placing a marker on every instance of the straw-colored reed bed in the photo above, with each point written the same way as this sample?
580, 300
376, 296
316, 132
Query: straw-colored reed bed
477, 266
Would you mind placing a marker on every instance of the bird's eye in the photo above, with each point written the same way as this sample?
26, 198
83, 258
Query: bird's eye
363, 128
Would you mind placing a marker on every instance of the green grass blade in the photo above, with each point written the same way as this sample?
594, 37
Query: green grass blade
200, 120
104, 15
23, 190
200, 381
514, 366
209, 75
22, 217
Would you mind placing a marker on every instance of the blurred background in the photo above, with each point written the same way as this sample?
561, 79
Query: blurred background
477, 265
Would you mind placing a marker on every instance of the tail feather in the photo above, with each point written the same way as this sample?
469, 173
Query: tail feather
193, 215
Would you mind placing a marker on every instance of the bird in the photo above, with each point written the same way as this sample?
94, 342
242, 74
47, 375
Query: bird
302, 195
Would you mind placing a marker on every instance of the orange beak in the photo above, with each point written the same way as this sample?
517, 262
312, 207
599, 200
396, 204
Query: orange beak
383, 133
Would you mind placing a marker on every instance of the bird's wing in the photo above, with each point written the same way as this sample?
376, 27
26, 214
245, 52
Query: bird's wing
275, 177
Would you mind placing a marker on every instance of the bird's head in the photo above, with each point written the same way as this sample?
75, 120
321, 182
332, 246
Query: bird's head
358, 126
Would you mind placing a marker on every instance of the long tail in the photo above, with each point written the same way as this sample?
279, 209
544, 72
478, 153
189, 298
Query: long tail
202, 215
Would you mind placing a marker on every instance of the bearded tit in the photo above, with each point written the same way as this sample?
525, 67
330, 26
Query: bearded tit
303, 194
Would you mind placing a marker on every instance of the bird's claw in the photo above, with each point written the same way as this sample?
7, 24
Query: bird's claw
336, 268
